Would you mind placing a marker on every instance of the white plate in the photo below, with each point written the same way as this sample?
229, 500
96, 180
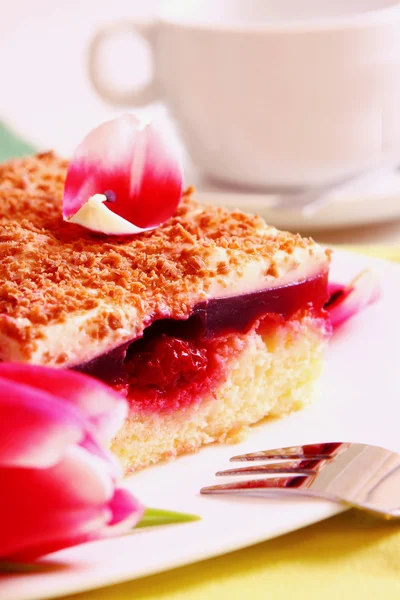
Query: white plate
358, 400
372, 198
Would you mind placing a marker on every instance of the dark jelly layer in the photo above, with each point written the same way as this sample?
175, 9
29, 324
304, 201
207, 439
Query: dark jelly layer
238, 314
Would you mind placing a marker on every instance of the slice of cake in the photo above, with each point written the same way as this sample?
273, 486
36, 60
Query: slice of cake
206, 324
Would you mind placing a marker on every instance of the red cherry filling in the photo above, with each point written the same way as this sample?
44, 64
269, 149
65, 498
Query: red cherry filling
166, 363
178, 362
168, 372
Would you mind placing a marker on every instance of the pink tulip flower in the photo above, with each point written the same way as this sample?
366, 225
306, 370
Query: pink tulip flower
59, 485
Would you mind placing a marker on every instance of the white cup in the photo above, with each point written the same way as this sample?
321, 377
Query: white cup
273, 92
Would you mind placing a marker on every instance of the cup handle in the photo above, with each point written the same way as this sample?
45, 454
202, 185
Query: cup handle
138, 96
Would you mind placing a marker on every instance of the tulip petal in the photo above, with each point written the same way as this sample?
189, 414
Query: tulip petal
53, 508
109, 459
347, 301
134, 169
105, 408
126, 511
87, 523
35, 427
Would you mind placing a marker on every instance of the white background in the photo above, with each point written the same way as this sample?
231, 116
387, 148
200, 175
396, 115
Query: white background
44, 89
46, 96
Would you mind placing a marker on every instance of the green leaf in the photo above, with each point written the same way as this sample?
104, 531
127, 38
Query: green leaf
157, 516
12, 146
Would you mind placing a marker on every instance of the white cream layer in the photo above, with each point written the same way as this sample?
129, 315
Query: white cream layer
75, 340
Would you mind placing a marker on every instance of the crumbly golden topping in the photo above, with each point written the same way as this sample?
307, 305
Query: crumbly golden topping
51, 270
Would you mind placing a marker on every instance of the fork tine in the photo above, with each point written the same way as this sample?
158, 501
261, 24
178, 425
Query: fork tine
297, 467
310, 451
272, 483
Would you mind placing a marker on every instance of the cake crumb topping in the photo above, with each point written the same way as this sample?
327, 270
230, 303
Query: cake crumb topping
51, 271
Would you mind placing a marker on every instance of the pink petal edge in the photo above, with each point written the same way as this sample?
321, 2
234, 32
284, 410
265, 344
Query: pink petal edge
363, 290
126, 511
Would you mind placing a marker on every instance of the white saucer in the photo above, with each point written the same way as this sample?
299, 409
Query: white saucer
373, 198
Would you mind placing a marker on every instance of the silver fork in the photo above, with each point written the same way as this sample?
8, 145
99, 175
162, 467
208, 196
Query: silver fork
358, 475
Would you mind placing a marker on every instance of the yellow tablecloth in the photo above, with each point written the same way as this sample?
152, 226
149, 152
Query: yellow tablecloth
350, 556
